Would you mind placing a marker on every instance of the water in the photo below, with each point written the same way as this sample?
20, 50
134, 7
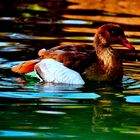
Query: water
34, 110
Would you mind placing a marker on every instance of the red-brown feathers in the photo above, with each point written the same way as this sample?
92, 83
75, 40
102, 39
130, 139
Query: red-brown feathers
76, 57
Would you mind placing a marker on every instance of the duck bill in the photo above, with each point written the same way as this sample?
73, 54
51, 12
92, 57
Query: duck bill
126, 43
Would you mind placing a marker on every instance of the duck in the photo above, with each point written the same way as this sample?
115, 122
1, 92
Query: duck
97, 62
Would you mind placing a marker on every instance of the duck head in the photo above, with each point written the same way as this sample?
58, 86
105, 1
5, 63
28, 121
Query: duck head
110, 34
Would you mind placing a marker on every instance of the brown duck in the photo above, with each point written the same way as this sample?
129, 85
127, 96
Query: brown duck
99, 62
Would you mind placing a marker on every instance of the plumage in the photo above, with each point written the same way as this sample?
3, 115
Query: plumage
50, 70
99, 62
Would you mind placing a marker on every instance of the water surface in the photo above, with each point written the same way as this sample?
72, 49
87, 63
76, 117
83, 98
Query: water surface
34, 110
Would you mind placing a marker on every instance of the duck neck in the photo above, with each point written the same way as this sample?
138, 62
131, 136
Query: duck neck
103, 49
105, 53
109, 60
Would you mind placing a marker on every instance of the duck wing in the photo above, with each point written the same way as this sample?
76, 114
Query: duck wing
50, 70
74, 47
76, 57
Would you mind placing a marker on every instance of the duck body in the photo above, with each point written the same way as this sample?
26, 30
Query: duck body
83, 59
99, 62
73, 56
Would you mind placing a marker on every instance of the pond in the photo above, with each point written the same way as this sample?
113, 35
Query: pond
34, 110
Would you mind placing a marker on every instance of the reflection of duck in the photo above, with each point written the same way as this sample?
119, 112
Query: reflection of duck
100, 63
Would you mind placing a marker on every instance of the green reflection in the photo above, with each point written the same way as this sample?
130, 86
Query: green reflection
35, 7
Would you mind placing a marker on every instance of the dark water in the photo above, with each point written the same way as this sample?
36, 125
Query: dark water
34, 110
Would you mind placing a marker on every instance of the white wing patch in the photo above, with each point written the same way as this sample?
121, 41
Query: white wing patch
50, 70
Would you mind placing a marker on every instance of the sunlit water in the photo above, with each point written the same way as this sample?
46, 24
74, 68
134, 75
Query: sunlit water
34, 110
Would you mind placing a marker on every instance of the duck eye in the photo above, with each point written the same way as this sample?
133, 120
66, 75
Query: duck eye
115, 32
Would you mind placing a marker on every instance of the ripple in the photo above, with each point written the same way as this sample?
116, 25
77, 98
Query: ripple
7, 18
6, 133
133, 99
9, 64
78, 22
16, 133
49, 95
50, 112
